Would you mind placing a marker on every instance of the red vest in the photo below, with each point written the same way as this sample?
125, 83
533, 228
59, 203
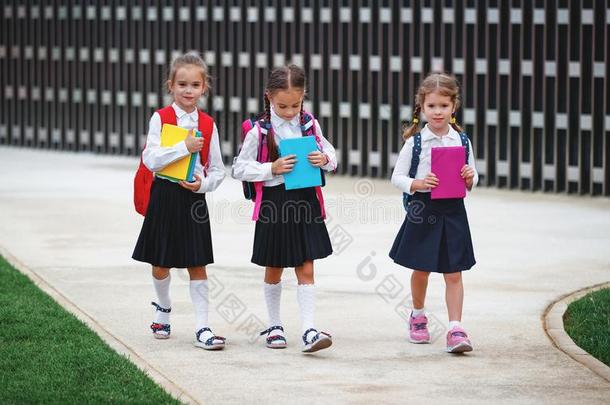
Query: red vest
143, 179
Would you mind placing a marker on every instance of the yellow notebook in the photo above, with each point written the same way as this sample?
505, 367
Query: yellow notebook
181, 169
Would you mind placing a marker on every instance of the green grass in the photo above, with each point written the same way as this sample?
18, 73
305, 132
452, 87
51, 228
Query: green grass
48, 356
587, 321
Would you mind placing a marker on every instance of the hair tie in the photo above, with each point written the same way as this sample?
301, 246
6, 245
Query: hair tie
415, 120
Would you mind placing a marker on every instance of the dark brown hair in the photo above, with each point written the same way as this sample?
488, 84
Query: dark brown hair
442, 83
282, 78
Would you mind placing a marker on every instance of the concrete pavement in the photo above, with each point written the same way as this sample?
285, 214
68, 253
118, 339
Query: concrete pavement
69, 218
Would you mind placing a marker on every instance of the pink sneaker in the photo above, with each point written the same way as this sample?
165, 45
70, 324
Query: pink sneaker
418, 329
457, 341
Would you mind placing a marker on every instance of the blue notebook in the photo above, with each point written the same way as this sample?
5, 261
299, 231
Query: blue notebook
304, 174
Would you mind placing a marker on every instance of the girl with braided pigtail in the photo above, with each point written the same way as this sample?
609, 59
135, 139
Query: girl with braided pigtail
435, 235
290, 229
413, 128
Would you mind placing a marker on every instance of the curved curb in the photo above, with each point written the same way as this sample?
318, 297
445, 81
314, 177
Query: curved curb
552, 320
116, 344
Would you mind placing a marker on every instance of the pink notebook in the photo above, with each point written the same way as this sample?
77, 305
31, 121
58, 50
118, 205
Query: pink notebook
447, 163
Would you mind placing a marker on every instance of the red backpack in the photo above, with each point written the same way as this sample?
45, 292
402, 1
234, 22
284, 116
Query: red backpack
143, 179
254, 190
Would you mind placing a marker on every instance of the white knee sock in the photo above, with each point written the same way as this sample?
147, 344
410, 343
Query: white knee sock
162, 289
199, 297
306, 295
273, 295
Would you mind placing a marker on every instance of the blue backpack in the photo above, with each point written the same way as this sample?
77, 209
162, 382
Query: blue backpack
406, 198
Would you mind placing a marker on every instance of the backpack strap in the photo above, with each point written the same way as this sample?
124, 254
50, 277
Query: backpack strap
321, 201
263, 148
406, 197
464, 139
206, 127
168, 115
309, 129
415, 155
263, 157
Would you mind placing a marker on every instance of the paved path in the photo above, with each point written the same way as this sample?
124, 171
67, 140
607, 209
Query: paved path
69, 218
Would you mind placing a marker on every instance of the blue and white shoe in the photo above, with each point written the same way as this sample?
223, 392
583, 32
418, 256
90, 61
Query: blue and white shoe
274, 341
160, 330
212, 343
320, 341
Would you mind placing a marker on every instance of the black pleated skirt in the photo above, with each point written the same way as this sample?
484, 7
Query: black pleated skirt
434, 236
176, 229
290, 229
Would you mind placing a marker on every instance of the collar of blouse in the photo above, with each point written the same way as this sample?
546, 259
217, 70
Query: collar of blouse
427, 134
277, 121
180, 113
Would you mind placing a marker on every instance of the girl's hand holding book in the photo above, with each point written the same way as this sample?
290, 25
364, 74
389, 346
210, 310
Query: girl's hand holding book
429, 182
193, 144
194, 185
468, 175
283, 165
317, 158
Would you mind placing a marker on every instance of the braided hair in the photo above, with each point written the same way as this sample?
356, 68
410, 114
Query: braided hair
445, 85
282, 78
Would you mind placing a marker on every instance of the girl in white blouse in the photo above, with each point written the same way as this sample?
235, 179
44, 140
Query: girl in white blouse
435, 235
290, 229
176, 229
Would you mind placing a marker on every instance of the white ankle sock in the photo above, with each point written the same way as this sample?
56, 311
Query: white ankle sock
162, 289
453, 324
199, 297
418, 312
306, 295
273, 296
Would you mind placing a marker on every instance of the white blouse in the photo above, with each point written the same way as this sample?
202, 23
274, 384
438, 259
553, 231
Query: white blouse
400, 176
156, 157
247, 168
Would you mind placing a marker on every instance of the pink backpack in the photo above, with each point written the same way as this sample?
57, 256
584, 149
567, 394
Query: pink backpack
254, 190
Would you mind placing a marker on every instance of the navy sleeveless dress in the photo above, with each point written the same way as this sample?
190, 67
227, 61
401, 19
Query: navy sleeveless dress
435, 236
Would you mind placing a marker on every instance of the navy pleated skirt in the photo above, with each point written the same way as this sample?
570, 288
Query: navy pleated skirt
290, 229
434, 236
176, 229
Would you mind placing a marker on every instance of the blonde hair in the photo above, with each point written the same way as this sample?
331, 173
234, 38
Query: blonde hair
189, 58
441, 83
